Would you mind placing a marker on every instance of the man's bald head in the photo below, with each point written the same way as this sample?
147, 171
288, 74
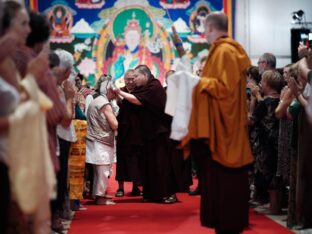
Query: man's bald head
129, 80
218, 20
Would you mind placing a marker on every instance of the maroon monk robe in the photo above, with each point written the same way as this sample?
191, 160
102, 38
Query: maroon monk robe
129, 143
158, 176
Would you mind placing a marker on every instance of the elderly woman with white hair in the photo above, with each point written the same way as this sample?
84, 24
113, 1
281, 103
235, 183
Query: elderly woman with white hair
102, 124
65, 132
62, 73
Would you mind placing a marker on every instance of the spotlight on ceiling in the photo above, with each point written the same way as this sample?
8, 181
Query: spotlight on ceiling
298, 15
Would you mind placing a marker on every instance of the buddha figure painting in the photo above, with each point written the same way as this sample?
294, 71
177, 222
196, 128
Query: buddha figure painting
89, 4
134, 41
175, 4
61, 21
197, 17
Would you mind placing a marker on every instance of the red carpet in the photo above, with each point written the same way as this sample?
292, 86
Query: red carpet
131, 215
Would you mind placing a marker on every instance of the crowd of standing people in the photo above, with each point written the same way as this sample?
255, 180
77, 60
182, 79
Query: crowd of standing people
247, 128
279, 128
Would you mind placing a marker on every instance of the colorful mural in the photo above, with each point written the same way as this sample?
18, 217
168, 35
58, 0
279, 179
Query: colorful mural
134, 38
60, 16
113, 36
89, 4
197, 15
175, 4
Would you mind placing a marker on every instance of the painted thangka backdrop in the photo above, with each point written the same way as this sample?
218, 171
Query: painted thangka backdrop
111, 36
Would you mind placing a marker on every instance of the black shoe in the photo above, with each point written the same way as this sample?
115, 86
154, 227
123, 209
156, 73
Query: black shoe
195, 192
170, 200
186, 191
146, 200
136, 192
120, 193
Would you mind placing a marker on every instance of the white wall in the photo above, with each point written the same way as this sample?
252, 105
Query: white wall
264, 26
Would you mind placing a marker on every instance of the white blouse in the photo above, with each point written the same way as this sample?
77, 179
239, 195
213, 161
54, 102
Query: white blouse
9, 99
66, 133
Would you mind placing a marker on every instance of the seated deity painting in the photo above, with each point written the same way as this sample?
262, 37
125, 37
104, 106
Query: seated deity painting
60, 16
197, 15
89, 4
175, 4
130, 39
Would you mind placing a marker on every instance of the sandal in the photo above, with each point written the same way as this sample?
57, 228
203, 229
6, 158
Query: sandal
120, 193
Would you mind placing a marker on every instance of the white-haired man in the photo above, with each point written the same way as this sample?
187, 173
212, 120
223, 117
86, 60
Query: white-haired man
267, 61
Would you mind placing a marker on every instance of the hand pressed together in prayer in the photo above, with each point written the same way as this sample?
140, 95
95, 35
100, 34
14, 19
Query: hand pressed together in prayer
284, 91
7, 45
305, 65
39, 65
286, 95
255, 89
69, 89
295, 87
302, 50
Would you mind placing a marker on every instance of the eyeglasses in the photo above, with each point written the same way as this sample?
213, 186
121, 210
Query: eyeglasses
260, 62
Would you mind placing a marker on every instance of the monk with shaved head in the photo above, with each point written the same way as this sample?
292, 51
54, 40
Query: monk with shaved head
218, 131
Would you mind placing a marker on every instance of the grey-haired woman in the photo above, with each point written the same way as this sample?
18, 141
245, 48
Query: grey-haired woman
102, 124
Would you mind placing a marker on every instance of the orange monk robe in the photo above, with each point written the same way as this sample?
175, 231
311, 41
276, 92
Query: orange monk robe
219, 112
